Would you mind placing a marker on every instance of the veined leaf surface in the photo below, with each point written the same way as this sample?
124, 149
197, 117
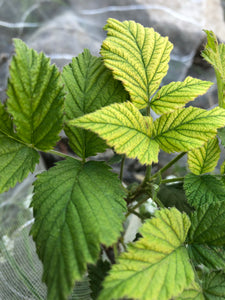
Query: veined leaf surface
89, 86
155, 267
203, 160
211, 257
35, 98
138, 57
203, 189
206, 237
16, 159
76, 207
214, 285
207, 225
125, 129
215, 55
177, 94
187, 128
192, 292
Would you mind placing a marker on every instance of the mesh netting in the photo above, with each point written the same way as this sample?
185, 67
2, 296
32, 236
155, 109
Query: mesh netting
20, 267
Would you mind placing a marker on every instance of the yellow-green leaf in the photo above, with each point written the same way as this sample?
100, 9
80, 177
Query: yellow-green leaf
204, 159
177, 94
192, 292
138, 57
157, 266
187, 128
215, 55
124, 128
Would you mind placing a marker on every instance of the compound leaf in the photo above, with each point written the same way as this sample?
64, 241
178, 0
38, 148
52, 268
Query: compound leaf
89, 86
203, 189
125, 129
204, 159
156, 266
177, 94
207, 225
138, 57
16, 159
35, 97
76, 207
214, 285
187, 128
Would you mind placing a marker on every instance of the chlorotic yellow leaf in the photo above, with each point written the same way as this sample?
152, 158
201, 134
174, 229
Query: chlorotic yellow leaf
177, 94
138, 57
187, 128
124, 128
156, 266
204, 159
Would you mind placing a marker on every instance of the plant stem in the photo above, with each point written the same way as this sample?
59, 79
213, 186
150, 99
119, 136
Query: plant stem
147, 174
220, 88
122, 167
172, 162
60, 154
172, 180
136, 206
132, 211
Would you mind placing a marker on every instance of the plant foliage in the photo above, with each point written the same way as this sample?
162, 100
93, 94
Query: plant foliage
81, 207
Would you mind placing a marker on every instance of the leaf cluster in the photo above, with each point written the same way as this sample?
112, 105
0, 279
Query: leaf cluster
80, 206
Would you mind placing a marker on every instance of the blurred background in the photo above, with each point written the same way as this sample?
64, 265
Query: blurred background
62, 29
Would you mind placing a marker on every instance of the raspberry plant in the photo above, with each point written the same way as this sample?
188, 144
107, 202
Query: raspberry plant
80, 205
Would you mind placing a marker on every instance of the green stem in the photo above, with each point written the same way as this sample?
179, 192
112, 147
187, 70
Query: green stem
220, 87
136, 206
132, 211
158, 202
167, 166
122, 167
60, 154
172, 180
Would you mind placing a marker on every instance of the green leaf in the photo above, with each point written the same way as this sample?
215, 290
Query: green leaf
96, 274
214, 286
207, 225
138, 57
221, 135
76, 207
156, 266
89, 86
203, 160
211, 257
215, 55
35, 98
192, 292
173, 195
203, 189
16, 159
187, 128
125, 129
177, 94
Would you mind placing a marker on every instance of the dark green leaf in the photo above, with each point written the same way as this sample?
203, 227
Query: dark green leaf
173, 195
207, 225
214, 286
76, 207
89, 86
211, 257
97, 274
203, 189
35, 98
